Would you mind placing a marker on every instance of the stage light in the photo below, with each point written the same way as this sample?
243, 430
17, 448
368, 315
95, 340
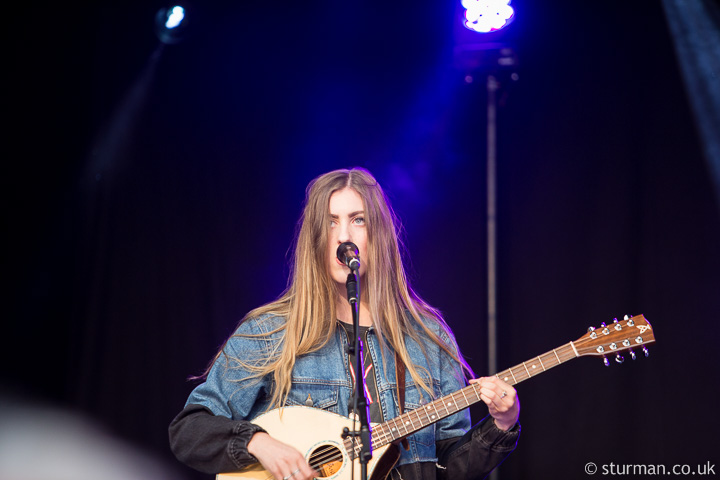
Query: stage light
484, 16
170, 24
175, 17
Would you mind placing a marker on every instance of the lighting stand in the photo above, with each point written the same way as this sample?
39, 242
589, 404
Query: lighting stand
492, 60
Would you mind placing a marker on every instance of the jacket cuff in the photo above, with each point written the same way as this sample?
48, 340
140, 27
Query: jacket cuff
243, 431
492, 437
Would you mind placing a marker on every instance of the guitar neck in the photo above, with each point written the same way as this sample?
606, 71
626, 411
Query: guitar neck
414, 420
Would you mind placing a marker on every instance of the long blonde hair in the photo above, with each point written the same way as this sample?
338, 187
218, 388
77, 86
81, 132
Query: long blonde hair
309, 302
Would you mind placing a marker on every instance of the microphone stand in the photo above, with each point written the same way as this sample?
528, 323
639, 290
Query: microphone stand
359, 399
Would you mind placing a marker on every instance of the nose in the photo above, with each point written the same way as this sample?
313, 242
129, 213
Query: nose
344, 233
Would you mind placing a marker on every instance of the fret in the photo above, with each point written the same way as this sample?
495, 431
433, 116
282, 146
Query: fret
408, 421
439, 408
434, 405
505, 378
467, 402
398, 427
398, 430
419, 419
455, 398
432, 416
425, 419
541, 363
388, 434
518, 375
380, 436
412, 417
552, 358
547, 361
451, 404
533, 367
571, 352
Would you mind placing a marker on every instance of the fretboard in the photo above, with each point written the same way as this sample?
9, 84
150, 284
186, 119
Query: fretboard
414, 420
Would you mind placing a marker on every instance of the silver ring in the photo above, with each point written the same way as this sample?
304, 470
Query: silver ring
291, 475
503, 394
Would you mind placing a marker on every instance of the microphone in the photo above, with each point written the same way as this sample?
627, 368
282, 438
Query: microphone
348, 255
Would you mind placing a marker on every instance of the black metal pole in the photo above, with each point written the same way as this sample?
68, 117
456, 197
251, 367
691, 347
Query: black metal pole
359, 399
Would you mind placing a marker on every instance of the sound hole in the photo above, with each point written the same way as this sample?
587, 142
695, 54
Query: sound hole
327, 460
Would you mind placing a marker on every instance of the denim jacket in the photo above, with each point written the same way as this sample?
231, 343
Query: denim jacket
322, 380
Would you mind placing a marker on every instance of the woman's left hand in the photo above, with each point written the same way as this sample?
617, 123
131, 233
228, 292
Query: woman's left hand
501, 399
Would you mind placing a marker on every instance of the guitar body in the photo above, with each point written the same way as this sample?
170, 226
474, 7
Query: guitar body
317, 434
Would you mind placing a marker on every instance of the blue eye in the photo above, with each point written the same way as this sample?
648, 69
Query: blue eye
359, 221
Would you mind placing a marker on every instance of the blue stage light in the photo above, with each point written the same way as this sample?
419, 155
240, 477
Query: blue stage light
170, 24
485, 16
175, 17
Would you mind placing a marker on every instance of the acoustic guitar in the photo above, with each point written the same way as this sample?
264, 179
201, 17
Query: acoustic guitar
318, 433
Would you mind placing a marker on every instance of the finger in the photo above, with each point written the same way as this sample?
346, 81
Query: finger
492, 400
485, 382
295, 474
495, 381
502, 388
303, 471
306, 474
497, 394
286, 466
486, 391
496, 401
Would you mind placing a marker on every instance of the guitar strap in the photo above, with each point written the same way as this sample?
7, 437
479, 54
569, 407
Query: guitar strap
400, 379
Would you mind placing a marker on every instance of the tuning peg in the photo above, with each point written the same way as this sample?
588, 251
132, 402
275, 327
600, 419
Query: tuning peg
645, 351
619, 358
590, 329
603, 324
615, 320
606, 361
626, 317
632, 354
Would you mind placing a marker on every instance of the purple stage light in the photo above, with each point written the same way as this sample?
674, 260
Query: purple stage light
484, 16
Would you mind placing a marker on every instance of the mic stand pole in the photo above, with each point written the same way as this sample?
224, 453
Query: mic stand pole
359, 399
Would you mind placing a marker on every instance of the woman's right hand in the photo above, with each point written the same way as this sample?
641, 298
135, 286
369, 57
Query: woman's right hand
280, 459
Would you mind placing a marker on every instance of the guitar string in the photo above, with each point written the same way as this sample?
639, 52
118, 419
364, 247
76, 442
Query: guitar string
329, 455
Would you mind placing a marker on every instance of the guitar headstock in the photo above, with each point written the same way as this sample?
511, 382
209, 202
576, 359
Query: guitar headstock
617, 337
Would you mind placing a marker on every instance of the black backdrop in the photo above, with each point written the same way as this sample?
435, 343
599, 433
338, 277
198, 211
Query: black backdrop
152, 195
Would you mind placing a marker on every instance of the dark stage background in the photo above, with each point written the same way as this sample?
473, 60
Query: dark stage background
153, 192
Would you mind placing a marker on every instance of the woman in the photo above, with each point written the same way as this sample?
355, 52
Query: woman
292, 352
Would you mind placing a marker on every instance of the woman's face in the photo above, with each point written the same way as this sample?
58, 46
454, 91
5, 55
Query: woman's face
347, 224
